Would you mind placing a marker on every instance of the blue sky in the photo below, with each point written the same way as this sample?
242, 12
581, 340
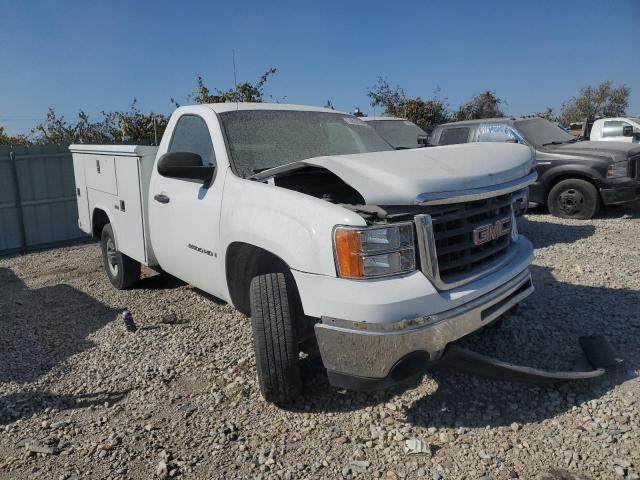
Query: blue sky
72, 55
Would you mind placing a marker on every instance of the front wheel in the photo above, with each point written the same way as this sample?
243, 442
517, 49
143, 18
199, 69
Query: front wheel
574, 198
274, 337
123, 272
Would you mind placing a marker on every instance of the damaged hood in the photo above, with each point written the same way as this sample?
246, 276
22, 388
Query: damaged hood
398, 177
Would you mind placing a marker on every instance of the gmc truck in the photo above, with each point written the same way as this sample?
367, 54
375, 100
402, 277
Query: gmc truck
574, 178
308, 221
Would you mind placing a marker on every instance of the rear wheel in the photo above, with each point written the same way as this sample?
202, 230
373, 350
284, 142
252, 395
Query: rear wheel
274, 336
123, 272
574, 198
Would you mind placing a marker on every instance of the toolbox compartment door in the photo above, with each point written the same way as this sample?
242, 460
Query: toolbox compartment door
100, 172
128, 210
82, 196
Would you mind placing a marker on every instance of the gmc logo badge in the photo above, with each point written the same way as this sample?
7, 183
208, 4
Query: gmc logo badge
491, 231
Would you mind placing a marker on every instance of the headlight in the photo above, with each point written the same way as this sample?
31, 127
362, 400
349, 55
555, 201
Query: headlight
374, 251
617, 170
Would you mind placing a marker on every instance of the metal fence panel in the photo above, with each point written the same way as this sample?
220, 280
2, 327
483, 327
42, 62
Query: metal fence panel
46, 188
9, 219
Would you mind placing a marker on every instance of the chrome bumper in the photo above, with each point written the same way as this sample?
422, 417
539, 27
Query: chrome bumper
362, 349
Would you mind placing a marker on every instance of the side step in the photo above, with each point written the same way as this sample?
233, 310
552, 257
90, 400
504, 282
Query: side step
596, 348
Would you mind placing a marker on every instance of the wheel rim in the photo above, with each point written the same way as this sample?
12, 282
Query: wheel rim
571, 201
112, 257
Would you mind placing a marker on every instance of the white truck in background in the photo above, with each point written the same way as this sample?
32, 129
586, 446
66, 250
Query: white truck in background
616, 129
307, 220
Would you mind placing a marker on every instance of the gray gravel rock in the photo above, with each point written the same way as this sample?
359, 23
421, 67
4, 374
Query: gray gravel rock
179, 398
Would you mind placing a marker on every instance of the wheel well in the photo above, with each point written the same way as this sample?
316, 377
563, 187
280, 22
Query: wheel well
243, 262
567, 176
98, 220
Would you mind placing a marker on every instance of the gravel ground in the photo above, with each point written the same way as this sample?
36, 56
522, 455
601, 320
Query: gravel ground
80, 397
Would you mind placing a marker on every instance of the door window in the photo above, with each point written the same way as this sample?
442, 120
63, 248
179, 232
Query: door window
613, 128
452, 136
497, 132
192, 135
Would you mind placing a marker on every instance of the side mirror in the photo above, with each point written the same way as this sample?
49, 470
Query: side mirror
185, 165
627, 131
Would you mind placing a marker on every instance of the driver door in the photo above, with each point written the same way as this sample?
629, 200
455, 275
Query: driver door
184, 214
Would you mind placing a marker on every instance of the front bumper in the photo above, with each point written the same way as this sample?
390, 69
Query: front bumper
620, 193
371, 351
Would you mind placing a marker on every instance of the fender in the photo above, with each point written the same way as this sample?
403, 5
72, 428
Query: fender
99, 206
295, 227
547, 177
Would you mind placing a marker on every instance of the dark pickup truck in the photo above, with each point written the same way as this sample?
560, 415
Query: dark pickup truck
574, 178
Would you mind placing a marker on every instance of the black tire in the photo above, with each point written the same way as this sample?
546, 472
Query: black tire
574, 198
274, 337
123, 272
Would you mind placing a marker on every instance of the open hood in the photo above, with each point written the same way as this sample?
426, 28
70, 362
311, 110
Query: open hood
398, 177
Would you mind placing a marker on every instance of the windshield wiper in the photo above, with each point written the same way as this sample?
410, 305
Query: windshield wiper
256, 172
555, 142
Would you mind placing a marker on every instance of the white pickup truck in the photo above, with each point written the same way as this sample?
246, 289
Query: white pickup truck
307, 220
616, 129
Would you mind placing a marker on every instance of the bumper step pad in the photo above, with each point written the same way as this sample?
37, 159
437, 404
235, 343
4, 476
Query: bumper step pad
597, 350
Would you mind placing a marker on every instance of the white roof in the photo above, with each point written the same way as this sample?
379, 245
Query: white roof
122, 150
369, 119
231, 106
627, 119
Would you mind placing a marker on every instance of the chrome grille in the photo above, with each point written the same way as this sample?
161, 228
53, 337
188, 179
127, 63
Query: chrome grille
449, 254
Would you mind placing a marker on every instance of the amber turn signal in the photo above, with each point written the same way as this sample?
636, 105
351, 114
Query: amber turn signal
348, 248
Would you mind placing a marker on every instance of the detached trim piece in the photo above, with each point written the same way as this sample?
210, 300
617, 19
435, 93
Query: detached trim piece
458, 196
467, 361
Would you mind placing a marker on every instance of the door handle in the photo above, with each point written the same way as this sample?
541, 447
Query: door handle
162, 198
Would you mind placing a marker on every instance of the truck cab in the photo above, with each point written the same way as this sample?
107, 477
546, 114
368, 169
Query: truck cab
616, 129
306, 220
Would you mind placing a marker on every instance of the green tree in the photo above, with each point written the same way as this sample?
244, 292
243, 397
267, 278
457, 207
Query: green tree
136, 126
132, 126
6, 139
432, 111
485, 105
603, 100
56, 129
242, 92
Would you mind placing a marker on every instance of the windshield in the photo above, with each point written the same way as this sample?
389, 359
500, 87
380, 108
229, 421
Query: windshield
541, 132
399, 133
263, 139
